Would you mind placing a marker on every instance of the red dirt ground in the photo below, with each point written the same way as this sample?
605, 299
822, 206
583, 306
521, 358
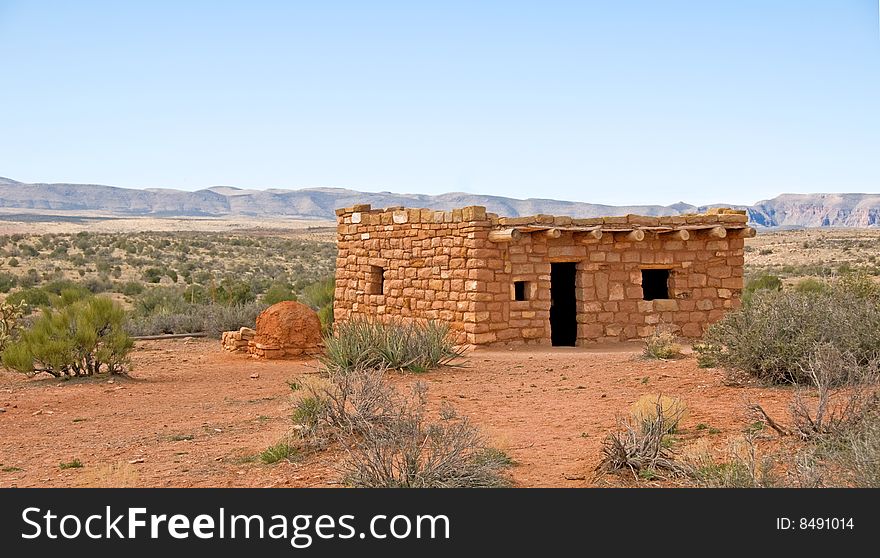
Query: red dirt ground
192, 415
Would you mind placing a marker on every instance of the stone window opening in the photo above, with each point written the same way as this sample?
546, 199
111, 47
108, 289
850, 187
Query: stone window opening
655, 284
520, 290
376, 281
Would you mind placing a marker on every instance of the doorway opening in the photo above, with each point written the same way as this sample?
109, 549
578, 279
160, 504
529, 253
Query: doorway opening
655, 283
563, 304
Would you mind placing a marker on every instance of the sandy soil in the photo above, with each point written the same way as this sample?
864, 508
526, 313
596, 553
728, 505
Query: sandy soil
192, 415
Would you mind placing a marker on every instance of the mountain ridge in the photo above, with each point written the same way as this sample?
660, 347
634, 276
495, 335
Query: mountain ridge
785, 210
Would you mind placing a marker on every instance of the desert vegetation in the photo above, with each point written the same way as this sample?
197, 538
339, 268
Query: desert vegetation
388, 437
360, 343
819, 253
171, 282
76, 336
818, 336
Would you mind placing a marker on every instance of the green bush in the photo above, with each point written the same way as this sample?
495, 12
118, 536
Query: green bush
196, 294
56, 287
360, 343
274, 454
8, 282
763, 282
153, 275
195, 318
234, 292
775, 333
131, 288
319, 296
810, 285
278, 292
33, 298
159, 300
82, 338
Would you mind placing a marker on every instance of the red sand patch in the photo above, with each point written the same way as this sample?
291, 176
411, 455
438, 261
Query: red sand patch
191, 415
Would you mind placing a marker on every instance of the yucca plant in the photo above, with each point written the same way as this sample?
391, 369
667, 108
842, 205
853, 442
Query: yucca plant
413, 346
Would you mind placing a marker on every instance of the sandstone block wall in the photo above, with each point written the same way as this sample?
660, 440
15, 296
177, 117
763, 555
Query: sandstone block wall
455, 266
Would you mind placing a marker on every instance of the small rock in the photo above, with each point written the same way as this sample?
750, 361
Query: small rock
218, 430
35, 413
135, 461
2, 409
254, 376
111, 381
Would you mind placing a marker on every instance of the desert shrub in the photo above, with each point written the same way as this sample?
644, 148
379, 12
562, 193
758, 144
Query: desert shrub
320, 293
671, 409
325, 314
152, 275
79, 339
159, 300
234, 292
742, 468
810, 285
277, 452
35, 297
842, 394
59, 286
707, 354
195, 318
773, 335
196, 294
131, 288
662, 344
8, 282
862, 454
387, 437
31, 278
277, 293
763, 282
344, 404
409, 451
639, 444
414, 346
98, 285
319, 296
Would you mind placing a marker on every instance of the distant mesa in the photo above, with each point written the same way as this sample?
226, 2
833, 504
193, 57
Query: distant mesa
786, 210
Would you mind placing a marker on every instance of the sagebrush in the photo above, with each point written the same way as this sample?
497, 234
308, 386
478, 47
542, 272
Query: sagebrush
774, 335
388, 438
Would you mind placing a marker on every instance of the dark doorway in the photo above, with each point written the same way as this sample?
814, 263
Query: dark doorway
655, 283
563, 305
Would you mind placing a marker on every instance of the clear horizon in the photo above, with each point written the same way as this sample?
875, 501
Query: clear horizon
631, 104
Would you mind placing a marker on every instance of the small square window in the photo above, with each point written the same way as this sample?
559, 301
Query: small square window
520, 290
655, 284
376, 280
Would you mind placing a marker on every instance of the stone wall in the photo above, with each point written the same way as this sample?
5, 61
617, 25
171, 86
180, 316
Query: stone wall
430, 265
424, 264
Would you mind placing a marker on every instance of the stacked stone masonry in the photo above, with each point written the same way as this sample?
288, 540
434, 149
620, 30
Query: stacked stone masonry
462, 267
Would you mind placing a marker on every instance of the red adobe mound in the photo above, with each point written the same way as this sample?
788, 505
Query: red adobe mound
287, 329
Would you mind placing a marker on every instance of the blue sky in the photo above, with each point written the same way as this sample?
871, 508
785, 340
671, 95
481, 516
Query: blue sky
606, 102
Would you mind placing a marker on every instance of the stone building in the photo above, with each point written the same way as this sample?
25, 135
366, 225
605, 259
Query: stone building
541, 279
